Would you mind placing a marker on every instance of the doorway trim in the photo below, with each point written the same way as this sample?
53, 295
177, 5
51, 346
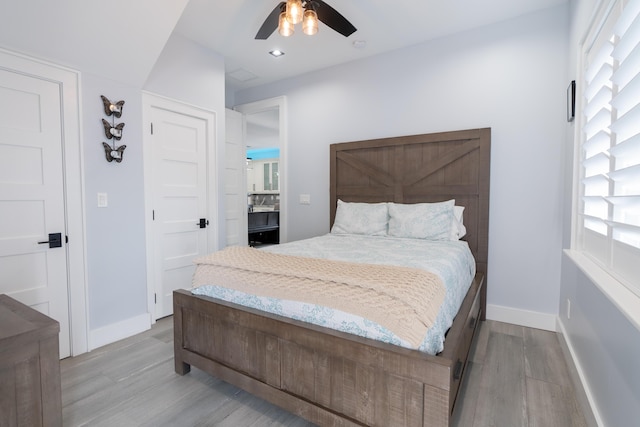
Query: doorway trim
280, 103
73, 167
150, 101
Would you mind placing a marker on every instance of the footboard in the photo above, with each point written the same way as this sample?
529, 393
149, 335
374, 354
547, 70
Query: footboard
322, 375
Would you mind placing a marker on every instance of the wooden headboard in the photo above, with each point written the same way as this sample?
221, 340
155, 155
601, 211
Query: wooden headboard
420, 168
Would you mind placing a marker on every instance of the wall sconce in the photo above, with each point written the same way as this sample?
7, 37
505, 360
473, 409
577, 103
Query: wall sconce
113, 130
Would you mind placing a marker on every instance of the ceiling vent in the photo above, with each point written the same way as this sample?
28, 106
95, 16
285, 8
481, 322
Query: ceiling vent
241, 75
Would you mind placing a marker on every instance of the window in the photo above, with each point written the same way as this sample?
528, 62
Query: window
608, 207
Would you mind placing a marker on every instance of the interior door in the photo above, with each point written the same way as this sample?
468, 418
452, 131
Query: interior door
180, 214
33, 254
235, 192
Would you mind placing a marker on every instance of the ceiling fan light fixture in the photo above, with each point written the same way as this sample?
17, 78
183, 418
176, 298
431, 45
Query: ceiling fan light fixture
294, 11
310, 22
289, 13
285, 27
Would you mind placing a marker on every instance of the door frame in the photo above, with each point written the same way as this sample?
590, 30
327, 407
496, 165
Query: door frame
279, 102
73, 168
149, 101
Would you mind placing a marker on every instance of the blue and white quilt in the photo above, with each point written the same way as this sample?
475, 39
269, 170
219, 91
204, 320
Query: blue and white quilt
452, 261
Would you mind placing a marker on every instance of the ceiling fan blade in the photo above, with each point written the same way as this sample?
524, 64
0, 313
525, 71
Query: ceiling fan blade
271, 23
333, 19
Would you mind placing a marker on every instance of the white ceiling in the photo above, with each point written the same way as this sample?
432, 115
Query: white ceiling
228, 27
121, 39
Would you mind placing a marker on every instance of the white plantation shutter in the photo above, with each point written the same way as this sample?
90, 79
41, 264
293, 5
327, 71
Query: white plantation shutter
609, 210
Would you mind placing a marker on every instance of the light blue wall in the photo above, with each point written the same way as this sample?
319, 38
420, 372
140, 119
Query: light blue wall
115, 235
509, 76
605, 344
116, 252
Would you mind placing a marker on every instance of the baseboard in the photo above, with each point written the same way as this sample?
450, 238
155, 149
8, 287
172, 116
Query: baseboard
120, 330
530, 319
580, 384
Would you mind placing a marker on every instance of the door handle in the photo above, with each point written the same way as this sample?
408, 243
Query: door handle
55, 240
457, 370
203, 223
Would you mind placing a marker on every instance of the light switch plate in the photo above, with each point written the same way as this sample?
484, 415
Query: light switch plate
305, 199
102, 200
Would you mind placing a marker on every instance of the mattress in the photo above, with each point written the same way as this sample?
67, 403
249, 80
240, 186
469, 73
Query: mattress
452, 261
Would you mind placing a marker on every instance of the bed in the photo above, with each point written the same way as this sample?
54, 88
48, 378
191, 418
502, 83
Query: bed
331, 377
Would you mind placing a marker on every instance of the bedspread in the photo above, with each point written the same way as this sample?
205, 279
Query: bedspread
452, 261
404, 300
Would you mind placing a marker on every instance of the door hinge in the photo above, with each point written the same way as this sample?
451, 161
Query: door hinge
153, 215
155, 298
151, 128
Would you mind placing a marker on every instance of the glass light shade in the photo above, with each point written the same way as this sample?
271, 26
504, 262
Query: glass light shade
294, 11
310, 22
285, 28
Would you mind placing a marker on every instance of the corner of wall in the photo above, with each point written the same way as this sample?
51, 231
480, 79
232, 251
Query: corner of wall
580, 384
516, 316
117, 331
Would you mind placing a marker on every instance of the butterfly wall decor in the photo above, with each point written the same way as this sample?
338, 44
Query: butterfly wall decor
112, 130
113, 153
110, 108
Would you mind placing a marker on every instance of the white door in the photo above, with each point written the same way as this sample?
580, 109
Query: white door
179, 198
235, 192
32, 204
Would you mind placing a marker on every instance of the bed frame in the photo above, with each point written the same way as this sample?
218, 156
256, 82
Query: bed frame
333, 378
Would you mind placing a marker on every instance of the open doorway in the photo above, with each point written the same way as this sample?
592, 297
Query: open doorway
264, 133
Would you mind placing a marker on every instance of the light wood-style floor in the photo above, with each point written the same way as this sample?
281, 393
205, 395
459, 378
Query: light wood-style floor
517, 377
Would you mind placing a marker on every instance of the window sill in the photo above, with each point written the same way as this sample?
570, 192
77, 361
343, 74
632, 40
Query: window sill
626, 301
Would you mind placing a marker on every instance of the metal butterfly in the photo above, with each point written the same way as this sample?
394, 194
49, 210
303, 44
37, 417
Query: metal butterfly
111, 108
113, 153
111, 131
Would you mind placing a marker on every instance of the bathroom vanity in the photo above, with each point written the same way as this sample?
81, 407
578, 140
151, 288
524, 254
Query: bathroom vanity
264, 227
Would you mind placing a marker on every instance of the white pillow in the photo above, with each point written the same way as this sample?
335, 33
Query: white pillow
458, 230
370, 219
457, 213
430, 221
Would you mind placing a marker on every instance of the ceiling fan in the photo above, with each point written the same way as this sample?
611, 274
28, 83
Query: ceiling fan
325, 13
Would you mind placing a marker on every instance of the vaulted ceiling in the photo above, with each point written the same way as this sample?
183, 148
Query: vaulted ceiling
122, 39
229, 27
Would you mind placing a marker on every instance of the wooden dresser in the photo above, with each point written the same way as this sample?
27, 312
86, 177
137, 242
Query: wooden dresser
30, 393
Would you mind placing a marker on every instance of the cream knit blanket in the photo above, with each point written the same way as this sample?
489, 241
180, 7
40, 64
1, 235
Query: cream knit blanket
404, 300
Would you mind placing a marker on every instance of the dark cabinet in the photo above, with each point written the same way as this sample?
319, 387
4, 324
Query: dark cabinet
264, 228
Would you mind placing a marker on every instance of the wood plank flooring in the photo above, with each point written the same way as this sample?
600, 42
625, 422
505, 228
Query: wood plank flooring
516, 377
